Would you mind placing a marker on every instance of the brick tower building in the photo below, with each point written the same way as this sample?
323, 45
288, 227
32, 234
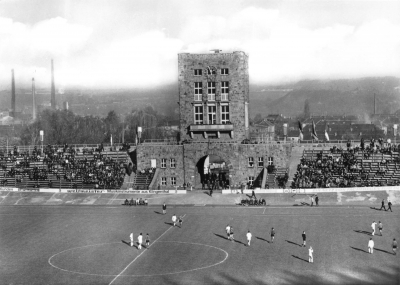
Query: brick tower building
213, 96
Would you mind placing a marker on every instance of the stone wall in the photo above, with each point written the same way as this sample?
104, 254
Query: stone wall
235, 155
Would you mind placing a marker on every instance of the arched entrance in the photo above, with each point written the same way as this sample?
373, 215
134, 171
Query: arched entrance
212, 173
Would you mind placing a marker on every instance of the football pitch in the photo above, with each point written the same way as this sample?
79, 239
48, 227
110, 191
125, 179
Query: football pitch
90, 245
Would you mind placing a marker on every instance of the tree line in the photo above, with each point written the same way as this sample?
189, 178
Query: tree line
65, 127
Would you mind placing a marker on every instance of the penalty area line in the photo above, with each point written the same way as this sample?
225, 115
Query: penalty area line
115, 278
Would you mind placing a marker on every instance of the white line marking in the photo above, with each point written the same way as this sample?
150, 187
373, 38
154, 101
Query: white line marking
144, 275
19, 200
140, 254
113, 197
5, 197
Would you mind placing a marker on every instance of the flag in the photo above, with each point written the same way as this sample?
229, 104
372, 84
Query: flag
301, 131
326, 133
314, 133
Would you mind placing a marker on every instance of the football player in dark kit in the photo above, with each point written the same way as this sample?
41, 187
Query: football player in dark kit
389, 206
383, 205
304, 238
164, 209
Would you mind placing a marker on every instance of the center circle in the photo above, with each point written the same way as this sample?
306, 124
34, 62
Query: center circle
162, 257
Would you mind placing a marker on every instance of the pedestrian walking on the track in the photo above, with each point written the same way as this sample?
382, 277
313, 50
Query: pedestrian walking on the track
164, 209
383, 205
140, 240
248, 235
373, 227
304, 238
174, 219
312, 201
371, 246
272, 235
389, 206
380, 227
131, 237
316, 200
147, 240
228, 231
394, 246
310, 255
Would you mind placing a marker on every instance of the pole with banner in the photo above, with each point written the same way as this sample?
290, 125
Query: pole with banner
139, 133
285, 132
395, 132
41, 138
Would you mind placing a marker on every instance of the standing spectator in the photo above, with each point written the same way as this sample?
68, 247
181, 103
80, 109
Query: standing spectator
380, 226
211, 191
131, 237
140, 240
272, 235
164, 209
174, 219
389, 206
228, 231
371, 246
373, 227
383, 205
242, 187
312, 201
253, 194
304, 238
316, 200
310, 255
248, 235
394, 246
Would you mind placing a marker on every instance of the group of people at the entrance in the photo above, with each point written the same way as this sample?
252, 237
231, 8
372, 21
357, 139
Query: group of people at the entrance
215, 181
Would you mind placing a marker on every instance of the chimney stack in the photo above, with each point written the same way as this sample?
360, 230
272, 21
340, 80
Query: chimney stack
53, 89
33, 99
12, 94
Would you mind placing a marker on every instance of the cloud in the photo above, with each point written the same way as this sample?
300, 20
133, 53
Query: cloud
280, 48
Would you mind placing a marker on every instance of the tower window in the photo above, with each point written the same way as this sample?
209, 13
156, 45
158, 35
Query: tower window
198, 91
212, 114
251, 162
198, 72
211, 91
224, 71
224, 90
224, 114
198, 115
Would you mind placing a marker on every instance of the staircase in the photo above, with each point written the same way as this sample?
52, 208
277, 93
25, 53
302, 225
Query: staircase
297, 153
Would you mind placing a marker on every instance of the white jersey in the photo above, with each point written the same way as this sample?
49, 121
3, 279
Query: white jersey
131, 236
174, 219
228, 229
140, 239
248, 236
371, 243
310, 251
373, 226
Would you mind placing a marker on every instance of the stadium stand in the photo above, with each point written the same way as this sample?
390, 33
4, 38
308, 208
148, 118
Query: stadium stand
376, 164
64, 167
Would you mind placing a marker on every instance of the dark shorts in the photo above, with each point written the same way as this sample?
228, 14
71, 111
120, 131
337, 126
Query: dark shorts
394, 247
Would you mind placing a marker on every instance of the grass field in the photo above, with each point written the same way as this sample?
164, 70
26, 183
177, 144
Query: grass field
89, 245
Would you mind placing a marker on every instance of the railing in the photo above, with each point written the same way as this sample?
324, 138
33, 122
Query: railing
30, 148
212, 127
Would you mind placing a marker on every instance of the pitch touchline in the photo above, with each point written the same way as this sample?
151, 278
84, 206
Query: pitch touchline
115, 278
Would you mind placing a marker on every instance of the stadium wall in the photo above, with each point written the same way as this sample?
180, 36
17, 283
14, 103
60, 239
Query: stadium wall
187, 157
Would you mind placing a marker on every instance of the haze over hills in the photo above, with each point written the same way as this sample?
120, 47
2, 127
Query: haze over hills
344, 96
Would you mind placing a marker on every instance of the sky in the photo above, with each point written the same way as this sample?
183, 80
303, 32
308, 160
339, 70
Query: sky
134, 43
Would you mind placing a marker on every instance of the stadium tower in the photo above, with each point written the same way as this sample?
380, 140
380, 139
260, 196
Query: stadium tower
53, 89
12, 94
213, 96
